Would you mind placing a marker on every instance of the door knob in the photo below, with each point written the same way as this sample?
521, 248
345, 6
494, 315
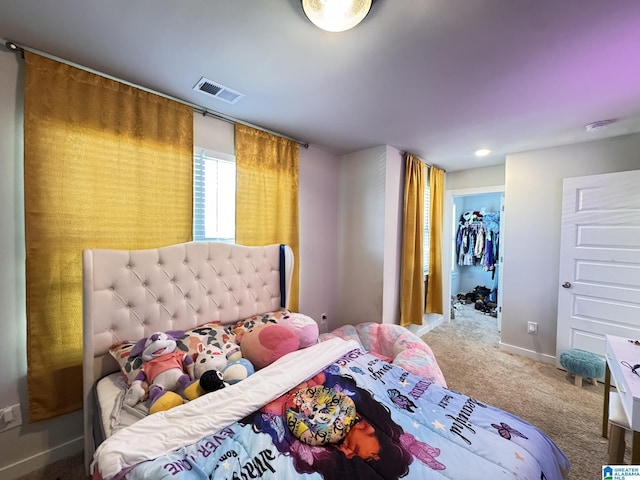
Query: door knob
566, 285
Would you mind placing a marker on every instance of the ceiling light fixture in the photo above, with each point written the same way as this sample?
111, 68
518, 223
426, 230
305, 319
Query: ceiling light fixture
482, 152
336, 15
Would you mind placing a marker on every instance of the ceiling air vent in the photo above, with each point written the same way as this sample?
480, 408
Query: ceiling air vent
217, 90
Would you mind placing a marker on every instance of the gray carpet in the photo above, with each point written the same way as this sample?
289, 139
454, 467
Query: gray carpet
468, 354
71, 468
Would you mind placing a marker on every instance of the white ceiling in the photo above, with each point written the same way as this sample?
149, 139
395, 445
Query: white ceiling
437, 78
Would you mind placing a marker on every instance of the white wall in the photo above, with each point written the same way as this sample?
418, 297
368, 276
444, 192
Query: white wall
531, 233
361, 236
319, 198
214, 134
11, 234
369, 236
394, 205
475, 178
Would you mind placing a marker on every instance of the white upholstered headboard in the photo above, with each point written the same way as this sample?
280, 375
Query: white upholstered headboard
129, 294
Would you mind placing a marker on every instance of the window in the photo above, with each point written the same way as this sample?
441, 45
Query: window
214, 196
425, 239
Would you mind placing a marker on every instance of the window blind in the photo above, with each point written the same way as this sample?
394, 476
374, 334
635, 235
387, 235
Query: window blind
425, 224
214, 185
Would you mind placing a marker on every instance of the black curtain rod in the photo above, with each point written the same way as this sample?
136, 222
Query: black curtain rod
426, 163
13, 47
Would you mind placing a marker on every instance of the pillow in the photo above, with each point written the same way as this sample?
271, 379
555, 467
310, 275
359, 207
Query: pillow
319, 415
208, 334
242, 326
213, 333
264, 344
305, 328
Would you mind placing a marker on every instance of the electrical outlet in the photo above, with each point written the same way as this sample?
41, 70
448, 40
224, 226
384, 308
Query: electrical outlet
323, 323
532, 328
10, 417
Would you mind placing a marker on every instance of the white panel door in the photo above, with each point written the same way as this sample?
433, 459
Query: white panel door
599, 291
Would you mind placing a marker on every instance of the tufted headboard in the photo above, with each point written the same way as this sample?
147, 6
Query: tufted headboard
129, 294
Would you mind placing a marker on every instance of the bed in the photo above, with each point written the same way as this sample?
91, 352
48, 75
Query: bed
333, 409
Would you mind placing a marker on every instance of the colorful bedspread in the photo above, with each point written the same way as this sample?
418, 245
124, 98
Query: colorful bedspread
395, 344
406, 427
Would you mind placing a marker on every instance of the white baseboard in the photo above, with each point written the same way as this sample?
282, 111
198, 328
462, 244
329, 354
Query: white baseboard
523, 352
429, 322
42, 459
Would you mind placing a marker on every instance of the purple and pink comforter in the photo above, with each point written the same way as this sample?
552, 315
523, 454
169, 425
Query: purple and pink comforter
407, 427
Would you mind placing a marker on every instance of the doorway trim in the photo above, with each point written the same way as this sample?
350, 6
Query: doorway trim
447, 253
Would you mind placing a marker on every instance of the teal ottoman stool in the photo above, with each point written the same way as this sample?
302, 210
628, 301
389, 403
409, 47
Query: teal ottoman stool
582, 364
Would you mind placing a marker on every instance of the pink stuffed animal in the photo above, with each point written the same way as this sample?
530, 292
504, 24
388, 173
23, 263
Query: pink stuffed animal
164, 369
303, 326
264, 344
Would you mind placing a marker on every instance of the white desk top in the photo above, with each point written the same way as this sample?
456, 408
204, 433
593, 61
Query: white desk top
619, 349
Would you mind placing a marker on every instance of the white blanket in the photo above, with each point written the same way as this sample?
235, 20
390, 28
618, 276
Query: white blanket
167, 431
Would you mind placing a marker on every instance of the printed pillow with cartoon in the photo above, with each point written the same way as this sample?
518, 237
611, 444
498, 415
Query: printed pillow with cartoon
319, 415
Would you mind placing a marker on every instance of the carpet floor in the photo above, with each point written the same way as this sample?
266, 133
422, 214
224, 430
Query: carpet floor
467, 350
70, 468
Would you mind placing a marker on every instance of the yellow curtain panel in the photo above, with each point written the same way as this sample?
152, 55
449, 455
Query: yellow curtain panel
267, 175
436, 215
106, 166
411, 274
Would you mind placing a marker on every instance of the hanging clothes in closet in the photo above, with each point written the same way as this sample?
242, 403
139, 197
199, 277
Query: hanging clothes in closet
477, 239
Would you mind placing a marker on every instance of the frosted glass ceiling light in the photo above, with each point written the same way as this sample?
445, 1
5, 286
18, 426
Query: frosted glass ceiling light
336, 15
482, 152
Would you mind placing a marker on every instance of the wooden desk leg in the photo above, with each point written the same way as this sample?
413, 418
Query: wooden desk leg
635, 449
605, 404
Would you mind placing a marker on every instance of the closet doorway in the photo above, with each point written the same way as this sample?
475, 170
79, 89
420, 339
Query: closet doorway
472, 273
